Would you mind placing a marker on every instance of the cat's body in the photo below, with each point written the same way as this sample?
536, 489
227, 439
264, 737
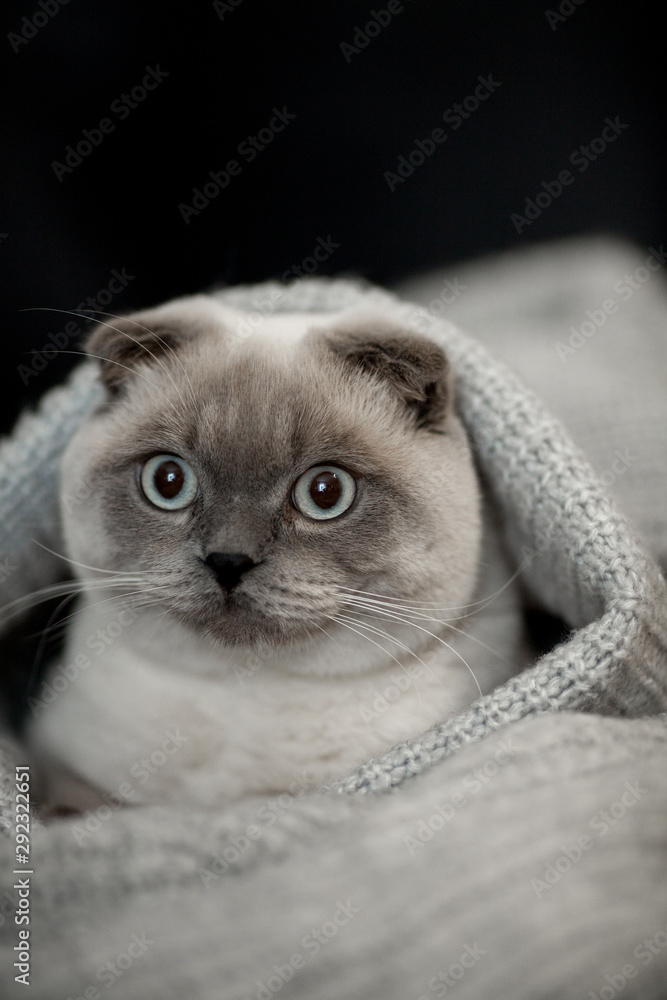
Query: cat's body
279, 526
242, 730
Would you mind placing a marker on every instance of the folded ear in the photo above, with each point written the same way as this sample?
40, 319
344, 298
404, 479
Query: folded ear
121, 344
415, 369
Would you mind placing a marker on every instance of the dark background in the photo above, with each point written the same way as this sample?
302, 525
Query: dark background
322, 176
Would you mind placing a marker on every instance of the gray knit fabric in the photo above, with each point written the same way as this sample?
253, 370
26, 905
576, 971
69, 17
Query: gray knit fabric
602, 373
466, 879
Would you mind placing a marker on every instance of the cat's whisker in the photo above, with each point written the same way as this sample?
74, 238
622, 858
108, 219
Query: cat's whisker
43, 638
53, 624
342, 620
328, 634
94, 569
69, 587
167, 347
376, 604
115, 597
147, 605
56, 626
430, 606
39, 597
388, 635
133, 606
161, 340
133, 371
50, 626
389, 602
406, 621
82, 314
383, 597
438, 621
158, 620
148, 351
313, 639
53, 629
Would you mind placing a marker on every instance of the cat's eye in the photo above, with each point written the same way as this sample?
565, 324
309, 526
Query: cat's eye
325, 491
168, 482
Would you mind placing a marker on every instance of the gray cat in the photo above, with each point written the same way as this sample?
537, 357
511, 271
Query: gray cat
274, 529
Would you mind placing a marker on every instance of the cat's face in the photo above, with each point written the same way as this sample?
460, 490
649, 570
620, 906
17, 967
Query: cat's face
252, 483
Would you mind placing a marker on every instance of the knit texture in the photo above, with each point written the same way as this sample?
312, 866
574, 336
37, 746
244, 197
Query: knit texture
602, 373
548, 764
477, 857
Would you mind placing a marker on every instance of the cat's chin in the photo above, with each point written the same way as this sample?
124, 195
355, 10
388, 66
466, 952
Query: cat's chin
323, 648
256, 633
253, 623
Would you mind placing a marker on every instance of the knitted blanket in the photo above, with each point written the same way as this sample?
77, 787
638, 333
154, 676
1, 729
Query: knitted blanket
522, 850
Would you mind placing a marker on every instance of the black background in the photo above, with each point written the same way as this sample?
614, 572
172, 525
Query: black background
324, 174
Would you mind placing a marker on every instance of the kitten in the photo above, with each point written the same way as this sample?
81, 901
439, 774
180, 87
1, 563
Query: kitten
265, 524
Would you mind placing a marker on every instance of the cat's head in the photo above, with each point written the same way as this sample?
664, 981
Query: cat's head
253, 485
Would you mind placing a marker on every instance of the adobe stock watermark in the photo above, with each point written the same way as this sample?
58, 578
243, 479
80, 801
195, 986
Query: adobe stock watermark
311, 944
267, 816
122, 106
64, 675
7, 567
254, 660
601, 824
472, 783
565, 9
80, 491
128, 790
644, 953
581, 158
224, 7
451, 290
114, 968
72, 330
624, 289
248, 149
543, 542
622, 461
30, 26
446, 979
399, 683
363, 35
454, 117
265, 305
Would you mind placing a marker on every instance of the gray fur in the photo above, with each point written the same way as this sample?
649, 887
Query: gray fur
251, 424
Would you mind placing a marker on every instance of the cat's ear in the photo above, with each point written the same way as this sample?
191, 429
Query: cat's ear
414, 367
122, 343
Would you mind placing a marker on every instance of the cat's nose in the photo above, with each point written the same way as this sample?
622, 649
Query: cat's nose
229, 567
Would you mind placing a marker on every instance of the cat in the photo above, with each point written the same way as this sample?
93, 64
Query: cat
266, 523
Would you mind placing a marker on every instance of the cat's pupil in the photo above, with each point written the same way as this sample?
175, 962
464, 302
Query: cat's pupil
169, 480
325, 490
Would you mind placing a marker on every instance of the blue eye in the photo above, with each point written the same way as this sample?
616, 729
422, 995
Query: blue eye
169, 482
324, 492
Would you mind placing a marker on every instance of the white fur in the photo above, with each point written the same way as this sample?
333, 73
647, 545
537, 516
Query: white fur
246, 729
